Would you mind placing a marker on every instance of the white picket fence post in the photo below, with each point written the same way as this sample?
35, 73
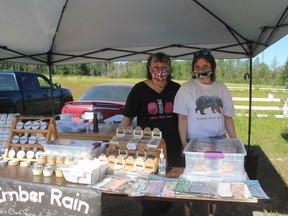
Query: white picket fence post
285, 109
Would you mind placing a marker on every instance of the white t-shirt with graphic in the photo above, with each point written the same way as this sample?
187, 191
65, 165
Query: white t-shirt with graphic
205, 107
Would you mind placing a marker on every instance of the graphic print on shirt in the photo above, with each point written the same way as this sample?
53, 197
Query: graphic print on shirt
152, 108
204, 102
160, 105
158, 108
168, 107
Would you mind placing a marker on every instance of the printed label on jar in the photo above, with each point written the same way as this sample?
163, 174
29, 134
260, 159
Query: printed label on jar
6, 133
2, 121
43, 125
15, 139
35, 125
27, 125
9, 121
19, 125
42, 140
20, 154
23, 139
11, 153
32, 140
30, 154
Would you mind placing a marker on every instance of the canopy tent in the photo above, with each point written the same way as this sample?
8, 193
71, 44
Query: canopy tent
59, 32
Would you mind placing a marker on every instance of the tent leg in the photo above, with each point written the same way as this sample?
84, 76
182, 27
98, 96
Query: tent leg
51, 89
251, 161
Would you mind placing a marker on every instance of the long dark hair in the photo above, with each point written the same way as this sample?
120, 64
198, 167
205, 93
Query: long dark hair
158, 57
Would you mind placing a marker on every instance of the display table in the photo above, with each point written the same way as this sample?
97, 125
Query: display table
58, 194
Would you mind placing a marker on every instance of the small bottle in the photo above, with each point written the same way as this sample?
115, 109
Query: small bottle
161, 163
95, 123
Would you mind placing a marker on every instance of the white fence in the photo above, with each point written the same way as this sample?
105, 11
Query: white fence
283, 108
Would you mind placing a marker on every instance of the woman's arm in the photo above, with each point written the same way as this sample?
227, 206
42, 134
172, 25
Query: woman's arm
230, 128
126, 121
182, 127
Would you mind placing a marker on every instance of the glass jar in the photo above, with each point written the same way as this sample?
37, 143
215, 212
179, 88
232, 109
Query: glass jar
37, 169
47, 171
68, 160
58, 171
42, 158
60, 159
51, 159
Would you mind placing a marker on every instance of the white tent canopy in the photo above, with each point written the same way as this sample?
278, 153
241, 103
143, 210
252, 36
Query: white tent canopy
54, 32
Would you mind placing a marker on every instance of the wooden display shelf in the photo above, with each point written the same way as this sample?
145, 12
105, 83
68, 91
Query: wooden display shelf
152, 153
46, 129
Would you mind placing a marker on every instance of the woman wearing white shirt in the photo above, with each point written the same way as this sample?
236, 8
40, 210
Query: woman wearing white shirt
204, 106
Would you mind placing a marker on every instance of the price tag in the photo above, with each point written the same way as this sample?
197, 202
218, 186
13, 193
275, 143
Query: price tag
131, 146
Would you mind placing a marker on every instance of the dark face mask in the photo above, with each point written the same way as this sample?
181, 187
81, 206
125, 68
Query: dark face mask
202, 74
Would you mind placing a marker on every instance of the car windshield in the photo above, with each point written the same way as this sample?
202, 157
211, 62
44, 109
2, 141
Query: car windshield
106, 93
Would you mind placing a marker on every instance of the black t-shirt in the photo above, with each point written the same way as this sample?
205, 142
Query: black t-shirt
154, 109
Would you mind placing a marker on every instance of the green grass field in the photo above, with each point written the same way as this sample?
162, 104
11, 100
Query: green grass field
269, 140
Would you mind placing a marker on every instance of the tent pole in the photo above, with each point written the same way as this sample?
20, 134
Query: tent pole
251, 162
250, 104
51, 84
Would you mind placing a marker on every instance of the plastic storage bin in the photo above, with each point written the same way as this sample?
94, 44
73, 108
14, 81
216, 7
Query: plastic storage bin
217, 158
85, 149
71, 126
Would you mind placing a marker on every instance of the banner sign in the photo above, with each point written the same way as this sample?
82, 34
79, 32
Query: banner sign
35, 199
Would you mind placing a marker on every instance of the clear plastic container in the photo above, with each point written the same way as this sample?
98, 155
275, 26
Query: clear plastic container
220, 158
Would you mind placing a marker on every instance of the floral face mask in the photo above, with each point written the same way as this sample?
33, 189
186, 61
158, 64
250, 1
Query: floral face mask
159, 74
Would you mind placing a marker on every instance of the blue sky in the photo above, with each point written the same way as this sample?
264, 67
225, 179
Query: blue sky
278, 50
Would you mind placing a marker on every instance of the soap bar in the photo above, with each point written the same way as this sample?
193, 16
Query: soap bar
13, 163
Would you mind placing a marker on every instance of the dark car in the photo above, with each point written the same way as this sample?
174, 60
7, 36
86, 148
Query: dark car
31, 93
106, 100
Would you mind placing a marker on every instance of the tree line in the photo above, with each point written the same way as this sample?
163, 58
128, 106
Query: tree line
227, 70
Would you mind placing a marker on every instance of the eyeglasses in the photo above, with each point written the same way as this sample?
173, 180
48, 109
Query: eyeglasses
202, 53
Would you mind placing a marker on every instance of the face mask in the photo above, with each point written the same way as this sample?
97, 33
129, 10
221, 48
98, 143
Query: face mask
203, 74
159, 74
